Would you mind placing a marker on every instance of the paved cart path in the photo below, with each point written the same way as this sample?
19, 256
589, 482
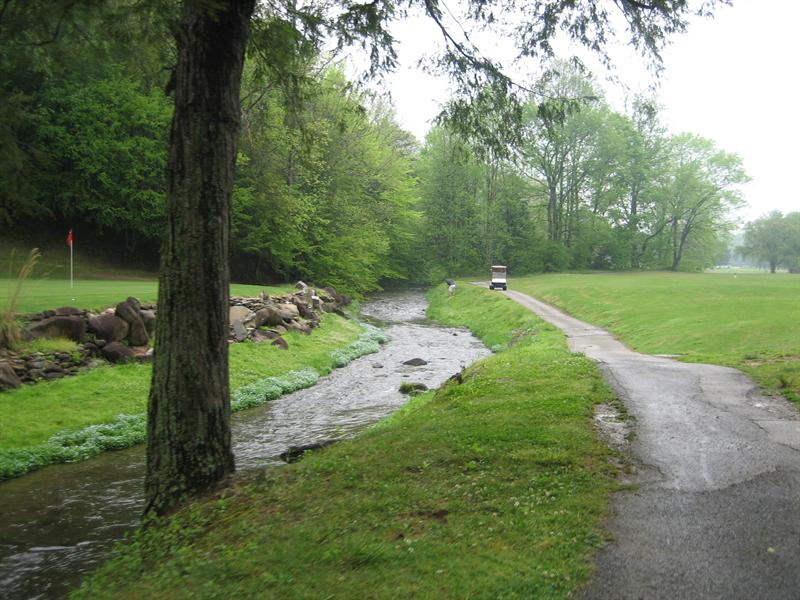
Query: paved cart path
717, 509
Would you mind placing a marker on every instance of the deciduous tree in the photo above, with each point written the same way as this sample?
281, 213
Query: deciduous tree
189, 433
775, 240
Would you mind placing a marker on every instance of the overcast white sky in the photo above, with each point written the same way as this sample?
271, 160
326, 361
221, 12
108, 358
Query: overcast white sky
734, 79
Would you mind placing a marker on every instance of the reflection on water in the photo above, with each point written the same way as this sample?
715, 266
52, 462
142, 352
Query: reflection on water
56, 524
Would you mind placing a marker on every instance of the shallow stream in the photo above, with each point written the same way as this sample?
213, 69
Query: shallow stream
58, 523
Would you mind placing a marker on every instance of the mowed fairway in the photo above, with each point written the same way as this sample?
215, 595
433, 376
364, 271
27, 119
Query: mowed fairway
44, 294
747, 320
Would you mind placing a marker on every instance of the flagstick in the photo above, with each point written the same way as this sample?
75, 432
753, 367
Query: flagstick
70, 264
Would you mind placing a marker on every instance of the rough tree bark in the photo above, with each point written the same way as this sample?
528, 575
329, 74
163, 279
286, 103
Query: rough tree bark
189, 439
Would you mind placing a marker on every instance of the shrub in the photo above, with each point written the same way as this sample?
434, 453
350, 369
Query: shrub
10, 328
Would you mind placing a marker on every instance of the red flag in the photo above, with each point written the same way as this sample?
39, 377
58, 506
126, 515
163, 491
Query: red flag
69, 238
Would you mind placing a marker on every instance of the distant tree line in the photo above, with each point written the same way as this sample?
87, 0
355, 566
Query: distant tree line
586, 188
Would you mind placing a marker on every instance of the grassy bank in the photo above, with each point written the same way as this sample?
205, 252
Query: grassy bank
746, 320
44, 294
31, 416
489, 488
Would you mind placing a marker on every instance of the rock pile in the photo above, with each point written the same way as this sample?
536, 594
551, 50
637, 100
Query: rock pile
129, 321
31, 367
124, 333
267, 318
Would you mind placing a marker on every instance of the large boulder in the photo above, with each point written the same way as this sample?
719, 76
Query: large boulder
137, 336
303, 292
72, 328
134, 302
280, 343
117, 352
8, 378
239, 313
239, 330
268, 316
301, 326
128, 311
339, 299
108, 327
287, 311
265, 335
325, 296
68, 311
142, 353
149, 320
305, 309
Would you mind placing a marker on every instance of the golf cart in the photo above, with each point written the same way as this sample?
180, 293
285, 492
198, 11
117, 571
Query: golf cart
498, 278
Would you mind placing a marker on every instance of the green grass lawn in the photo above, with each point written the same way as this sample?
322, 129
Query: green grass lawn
44, 294
33, 413
490, 488
747, 320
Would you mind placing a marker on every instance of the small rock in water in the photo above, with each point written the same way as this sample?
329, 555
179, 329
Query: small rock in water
416, 362
377, 366
295, 453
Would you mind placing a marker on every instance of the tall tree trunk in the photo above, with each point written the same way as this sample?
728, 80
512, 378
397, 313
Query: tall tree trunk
633, 228
489, 234
552, 211
189, 438
677, 254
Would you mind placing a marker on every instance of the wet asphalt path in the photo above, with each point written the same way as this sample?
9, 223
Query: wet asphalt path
716, 510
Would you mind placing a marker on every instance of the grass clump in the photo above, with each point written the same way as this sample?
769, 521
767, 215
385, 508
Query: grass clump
50, 345
10, 327
412, 388
750, 321
491, 488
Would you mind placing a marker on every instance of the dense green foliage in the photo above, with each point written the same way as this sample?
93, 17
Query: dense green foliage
329, 188
492, 488
747, 320
326, 194
324, 191
84, 127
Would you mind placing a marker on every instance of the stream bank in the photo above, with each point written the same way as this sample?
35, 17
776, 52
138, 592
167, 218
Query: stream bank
58, 523
494, 486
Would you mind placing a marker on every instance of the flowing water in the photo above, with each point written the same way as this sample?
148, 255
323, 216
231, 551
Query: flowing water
58, 523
